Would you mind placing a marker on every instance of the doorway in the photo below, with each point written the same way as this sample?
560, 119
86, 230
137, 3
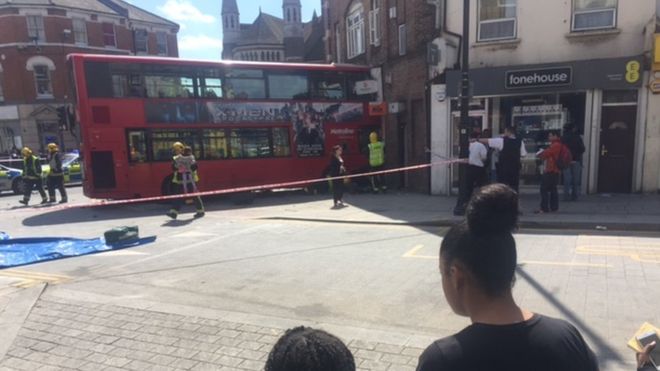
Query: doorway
617, 147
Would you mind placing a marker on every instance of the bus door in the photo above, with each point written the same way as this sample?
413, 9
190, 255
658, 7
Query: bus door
107, 165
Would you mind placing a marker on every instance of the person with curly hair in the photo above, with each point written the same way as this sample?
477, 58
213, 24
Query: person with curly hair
307, 349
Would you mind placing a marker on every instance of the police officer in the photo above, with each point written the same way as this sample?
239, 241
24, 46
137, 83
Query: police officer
55, 179
376, 162
32, 176
177, 186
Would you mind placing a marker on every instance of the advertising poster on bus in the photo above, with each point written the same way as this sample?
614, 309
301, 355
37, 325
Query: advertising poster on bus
309, 120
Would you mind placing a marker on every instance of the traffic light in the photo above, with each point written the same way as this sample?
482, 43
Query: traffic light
62, 118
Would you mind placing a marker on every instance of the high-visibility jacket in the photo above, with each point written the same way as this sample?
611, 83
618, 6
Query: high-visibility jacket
376, 153
55, 162
31, 167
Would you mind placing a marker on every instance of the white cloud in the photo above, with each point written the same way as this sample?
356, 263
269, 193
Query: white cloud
183, 10
199, 42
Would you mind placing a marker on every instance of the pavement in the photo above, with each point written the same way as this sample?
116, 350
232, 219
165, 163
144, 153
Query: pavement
54, 327
617, 212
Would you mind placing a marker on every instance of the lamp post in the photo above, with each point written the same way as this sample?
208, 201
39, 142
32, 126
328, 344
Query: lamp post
464, 125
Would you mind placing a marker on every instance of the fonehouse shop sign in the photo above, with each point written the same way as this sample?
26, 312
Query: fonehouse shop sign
541, 78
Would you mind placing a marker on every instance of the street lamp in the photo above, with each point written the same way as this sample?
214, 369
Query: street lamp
464, 125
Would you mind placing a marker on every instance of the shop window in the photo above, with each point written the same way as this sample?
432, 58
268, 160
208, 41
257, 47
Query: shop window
281, 143
594, 14
245, 84
215, 144
42, 80
109, 39
250, 143
287, 86
374, 23
497, 20
80, 31
141, 38
137, 146
620, 96
355, 31
161, 43
36, 30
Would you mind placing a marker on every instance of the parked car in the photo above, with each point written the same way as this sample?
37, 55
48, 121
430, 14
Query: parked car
13, 180
10, 179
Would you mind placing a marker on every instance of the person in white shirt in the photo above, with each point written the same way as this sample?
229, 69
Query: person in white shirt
476, 172
511, 150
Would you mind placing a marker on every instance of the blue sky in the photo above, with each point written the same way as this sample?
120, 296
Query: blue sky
200, 36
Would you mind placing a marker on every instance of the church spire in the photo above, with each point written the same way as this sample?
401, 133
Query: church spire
231, 27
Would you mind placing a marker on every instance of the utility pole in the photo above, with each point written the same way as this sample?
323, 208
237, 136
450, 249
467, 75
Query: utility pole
464, 125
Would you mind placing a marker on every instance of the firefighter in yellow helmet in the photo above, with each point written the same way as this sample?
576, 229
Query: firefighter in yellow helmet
376, 162
32, 176
55, 178
178, 181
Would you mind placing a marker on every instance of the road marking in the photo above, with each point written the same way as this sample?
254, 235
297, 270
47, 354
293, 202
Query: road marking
193, 234
412, 253
644, 257
124, 253
29, 279
637, 249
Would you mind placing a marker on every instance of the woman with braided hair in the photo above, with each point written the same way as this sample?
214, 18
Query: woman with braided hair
307, 349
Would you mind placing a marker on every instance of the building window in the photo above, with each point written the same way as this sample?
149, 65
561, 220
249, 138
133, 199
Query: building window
374, 23
161, 43
594, 14
403, 39
80, 31
2, 96
337, 44
141, 41
35, 25
355, 31
42, 81
497, 20
109, 39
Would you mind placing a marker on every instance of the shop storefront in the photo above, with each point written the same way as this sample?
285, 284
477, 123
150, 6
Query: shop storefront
599, 97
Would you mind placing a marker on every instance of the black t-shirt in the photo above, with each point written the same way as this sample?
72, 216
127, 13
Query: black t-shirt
539, 344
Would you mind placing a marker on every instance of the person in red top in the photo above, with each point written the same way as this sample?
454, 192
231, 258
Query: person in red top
550, 178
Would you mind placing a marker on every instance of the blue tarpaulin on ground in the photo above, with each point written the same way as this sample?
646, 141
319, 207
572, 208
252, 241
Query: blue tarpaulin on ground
21, 251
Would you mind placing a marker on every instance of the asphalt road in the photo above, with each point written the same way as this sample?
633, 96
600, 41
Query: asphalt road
368, 276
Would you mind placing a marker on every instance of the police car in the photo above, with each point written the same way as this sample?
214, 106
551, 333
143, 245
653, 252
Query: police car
11, 179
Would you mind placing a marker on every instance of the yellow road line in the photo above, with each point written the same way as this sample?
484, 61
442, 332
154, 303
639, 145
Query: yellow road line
565, 264
28, 278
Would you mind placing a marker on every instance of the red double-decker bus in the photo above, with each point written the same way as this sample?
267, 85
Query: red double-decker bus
247, 123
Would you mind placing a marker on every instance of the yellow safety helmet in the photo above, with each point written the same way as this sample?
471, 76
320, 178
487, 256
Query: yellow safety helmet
373, 137
26, 151
52, 147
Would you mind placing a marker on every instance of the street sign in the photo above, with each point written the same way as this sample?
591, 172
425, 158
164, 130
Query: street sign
654, 86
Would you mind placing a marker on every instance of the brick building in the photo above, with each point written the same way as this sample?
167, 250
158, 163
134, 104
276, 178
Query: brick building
392, 37
271, 38
35, 38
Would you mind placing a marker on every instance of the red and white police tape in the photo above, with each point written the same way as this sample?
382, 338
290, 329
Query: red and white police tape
239, 189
